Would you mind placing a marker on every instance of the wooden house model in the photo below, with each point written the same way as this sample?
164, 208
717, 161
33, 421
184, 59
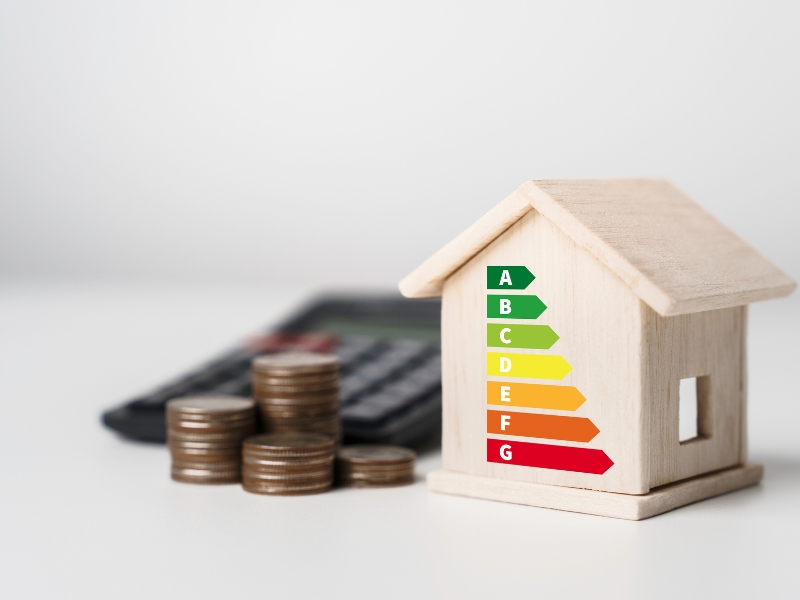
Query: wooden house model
582, 321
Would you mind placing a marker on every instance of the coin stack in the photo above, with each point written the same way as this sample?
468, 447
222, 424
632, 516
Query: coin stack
204, 435
287, 463
297, 392
374, 466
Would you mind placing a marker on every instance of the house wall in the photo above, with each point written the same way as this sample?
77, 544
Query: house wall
599, 322
708, 343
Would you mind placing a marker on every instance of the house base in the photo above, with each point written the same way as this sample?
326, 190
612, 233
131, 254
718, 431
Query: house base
593, 502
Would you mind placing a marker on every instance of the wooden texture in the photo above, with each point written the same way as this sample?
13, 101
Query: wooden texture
606, 504
708, 345
599, 322
669, 251
428, 279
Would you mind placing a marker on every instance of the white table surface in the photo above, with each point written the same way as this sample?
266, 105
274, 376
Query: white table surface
85, 514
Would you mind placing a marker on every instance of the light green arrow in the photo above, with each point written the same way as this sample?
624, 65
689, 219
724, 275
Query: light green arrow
533, 337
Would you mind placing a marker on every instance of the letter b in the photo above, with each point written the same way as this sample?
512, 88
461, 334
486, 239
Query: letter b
505, 306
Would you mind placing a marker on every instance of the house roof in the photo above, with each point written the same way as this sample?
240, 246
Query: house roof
669, 251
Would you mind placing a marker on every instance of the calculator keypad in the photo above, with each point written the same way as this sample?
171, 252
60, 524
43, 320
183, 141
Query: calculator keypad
381, 379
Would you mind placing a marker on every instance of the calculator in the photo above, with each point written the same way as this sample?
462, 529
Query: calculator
391, 369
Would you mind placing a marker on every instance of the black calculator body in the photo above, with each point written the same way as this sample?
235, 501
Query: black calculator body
390, 352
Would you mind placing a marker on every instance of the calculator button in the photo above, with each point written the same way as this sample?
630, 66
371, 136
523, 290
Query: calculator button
362, 414
353, 348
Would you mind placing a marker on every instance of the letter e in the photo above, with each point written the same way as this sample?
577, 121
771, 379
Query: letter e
505, 393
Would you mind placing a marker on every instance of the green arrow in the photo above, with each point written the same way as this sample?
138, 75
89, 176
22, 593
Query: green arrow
514, 307
508, 278
533, 337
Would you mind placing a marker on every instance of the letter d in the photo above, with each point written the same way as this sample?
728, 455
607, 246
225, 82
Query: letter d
505, 364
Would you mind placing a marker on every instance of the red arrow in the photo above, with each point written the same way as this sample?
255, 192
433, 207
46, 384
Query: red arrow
546, 456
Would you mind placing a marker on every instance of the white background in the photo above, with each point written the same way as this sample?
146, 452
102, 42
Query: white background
174, 174
341, 142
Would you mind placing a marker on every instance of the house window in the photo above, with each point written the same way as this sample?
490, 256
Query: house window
693, 410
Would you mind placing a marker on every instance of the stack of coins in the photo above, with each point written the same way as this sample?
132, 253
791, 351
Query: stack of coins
287, 463
204, 435
297, 392
374, 466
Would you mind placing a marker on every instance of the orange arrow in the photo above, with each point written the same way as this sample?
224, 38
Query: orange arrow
551, 427
533, 395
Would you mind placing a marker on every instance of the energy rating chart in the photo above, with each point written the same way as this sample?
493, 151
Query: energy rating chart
525, 395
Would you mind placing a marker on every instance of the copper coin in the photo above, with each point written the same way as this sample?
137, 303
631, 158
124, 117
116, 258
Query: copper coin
288, 444
205, 476
274, 397
375, 455
206, 429
217, 445
323, 412
202, 456
304, 379
227, 420
287, 463
194, 434
215, 466
254, 478
290, 363
281, 491
209, 405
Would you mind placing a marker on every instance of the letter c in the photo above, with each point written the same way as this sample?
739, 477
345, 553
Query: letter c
503, 335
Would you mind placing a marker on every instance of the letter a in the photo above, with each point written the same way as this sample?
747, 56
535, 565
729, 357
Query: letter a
505, 278
505, 305
505, 364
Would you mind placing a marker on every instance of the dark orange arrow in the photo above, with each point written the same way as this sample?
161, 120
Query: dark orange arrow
551, 427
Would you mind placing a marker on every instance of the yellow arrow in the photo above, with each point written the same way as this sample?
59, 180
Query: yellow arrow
534, 366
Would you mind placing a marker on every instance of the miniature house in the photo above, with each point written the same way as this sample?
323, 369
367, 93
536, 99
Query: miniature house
594, 349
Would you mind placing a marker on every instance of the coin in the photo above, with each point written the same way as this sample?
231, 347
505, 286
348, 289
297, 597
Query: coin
208, 405
205, 476
204, 435
288, 444
285, 490
299, 400
287, 463
374, 454
321, 379
290, 363
374, 466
